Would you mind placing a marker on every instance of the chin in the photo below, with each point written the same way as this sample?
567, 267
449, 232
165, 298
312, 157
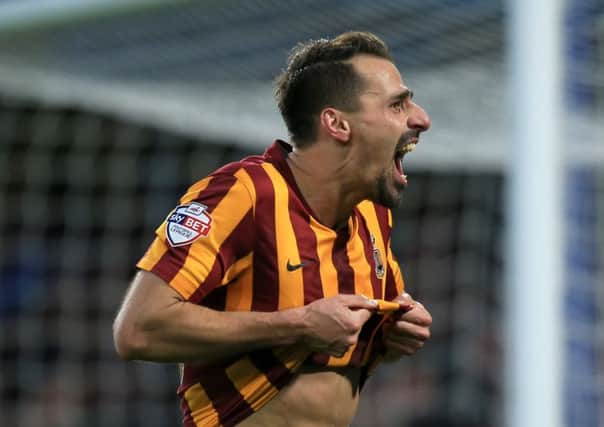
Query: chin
392, 202
387, 195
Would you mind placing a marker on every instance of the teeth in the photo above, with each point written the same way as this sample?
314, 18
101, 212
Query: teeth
408, 148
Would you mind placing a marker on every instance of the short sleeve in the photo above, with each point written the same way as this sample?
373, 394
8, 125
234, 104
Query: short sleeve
203, 236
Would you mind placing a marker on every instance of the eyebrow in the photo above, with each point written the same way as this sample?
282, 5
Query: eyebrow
406, 93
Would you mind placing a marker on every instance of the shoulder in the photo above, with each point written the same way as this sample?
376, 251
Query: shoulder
251, 178
262, 177
228, 181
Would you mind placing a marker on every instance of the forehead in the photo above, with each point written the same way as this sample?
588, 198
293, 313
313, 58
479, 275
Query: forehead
379, 74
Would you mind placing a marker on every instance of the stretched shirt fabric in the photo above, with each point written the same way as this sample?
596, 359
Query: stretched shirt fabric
244, 239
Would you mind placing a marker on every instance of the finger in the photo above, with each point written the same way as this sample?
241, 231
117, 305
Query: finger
406, 301
358, 301
405, 298
418, 315
407, 329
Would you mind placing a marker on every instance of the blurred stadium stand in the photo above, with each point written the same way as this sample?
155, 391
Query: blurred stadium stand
109, 110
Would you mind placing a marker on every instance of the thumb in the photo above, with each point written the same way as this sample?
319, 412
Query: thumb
406, 301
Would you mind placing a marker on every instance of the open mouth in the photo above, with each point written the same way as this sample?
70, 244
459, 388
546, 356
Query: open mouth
398, 160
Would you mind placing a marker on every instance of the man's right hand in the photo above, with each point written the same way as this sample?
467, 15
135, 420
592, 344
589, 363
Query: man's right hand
332, 325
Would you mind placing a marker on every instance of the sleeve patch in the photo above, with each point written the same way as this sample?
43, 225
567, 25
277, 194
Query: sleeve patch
187, 223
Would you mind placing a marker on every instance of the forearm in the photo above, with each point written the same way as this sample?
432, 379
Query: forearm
155, 323
191, 333
172, 330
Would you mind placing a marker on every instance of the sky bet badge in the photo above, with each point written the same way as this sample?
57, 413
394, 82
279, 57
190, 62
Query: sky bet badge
188, 223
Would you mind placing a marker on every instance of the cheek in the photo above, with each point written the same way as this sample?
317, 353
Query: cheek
397, 122
379, 136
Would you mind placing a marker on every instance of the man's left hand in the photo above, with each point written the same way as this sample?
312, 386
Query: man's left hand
406, 333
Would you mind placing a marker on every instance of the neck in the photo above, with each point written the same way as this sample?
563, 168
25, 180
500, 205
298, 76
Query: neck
326, 182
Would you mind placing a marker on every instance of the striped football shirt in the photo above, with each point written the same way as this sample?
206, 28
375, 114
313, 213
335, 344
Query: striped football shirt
244, 239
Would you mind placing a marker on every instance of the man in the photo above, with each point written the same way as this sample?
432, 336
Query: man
264, 282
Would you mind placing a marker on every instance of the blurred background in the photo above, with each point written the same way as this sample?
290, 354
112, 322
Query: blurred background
109, 110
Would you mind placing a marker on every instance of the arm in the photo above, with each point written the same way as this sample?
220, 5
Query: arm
155, 323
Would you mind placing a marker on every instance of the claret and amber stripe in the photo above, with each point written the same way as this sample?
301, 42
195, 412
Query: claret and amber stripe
377, 284
265, 297
307, 245
291, 285
226, 395
266, 251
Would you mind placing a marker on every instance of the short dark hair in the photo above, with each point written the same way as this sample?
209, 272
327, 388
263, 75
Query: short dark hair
317, 75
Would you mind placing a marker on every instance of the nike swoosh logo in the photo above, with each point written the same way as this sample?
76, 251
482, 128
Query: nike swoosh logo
294, 267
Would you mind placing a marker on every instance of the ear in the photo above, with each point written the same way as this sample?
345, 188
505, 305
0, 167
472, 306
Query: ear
335, 124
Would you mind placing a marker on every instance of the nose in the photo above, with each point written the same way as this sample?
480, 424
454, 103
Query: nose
418, 119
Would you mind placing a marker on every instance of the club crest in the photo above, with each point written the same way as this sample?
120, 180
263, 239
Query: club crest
188, 223
377, 259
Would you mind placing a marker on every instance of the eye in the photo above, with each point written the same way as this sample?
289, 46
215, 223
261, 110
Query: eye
397, 106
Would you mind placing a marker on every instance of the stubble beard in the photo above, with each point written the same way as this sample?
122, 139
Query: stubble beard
385, 196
